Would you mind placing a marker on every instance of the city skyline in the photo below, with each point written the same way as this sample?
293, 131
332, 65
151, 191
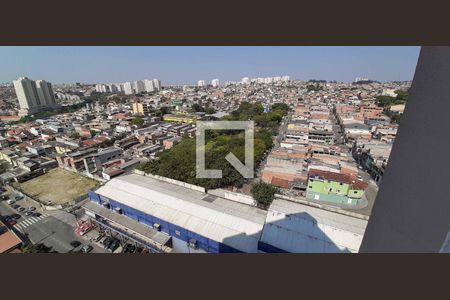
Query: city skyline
188, 65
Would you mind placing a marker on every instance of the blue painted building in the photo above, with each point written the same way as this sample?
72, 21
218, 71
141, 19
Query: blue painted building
194, 221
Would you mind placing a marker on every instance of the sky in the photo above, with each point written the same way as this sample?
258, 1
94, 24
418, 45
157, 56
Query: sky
186, 65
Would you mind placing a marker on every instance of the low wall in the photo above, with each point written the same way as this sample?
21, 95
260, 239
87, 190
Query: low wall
173, 181
240, 198
324, 207
236, 197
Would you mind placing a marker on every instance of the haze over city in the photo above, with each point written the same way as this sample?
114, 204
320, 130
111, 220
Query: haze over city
187, 65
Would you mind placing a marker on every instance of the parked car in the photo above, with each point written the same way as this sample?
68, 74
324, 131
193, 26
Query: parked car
32, 208
84, 230
75, 244
129, 248
15, 206
98, 237
11, 201
20, 208
16, 216
28, 213
12, 222
114, 245
18, 197
36, 214
107, 241
86, 248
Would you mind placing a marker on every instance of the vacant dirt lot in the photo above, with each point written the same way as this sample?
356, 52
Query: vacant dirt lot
58, 186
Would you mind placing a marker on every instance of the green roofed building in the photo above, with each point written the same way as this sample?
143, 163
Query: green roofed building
334, 187
177, 103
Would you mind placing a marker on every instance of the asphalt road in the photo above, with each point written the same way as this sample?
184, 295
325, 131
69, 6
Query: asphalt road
53, 228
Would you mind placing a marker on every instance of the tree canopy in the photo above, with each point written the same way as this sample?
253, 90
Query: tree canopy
138, 121
388, 101
312, 87
263, 193
179, 161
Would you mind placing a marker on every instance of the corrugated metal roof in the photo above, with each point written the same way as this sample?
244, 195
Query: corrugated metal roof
142, 229
296, 227
234, 224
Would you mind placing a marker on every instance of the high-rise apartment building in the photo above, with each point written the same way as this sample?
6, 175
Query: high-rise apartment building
215, 83
149, 85
140, 109
45, 93
112, 88
157, 84
201, 83
138, 86
128, 88
102, 88
34, 96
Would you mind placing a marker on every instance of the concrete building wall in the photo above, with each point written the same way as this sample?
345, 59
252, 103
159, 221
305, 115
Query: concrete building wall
180, 246
328, 187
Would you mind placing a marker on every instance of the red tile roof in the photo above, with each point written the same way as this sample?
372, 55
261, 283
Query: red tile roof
101, 138
8, 240
279, 182
354, 182
89, 143
9, 117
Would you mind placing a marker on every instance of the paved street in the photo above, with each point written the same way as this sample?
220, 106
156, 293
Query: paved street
53, 228
276, 144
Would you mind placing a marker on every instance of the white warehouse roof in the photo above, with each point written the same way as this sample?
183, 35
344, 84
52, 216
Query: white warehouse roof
299, 228
231, 223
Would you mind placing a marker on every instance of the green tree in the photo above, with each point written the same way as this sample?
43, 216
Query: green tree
263, 193
138, 121
209, 110
197, 108
179, 161
385, 101
402, 95
164, 110
37, 248
75, 136
312, 87
281, 108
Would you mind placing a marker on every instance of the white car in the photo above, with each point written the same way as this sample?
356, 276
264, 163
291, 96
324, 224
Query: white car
11, 201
